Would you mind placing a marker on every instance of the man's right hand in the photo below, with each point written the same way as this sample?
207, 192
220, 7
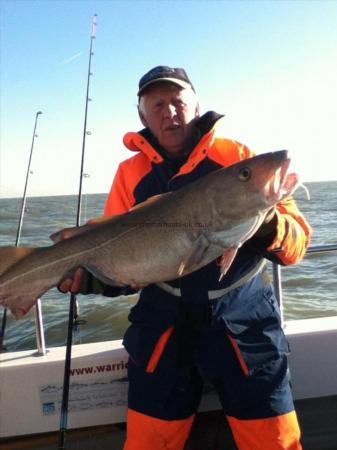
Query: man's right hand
73, 281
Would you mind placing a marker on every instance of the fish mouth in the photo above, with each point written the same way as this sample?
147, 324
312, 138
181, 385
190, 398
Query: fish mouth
283, 183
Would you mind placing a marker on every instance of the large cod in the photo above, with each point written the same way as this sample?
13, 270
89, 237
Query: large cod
160, 240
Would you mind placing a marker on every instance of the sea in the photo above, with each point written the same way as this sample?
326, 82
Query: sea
309, 288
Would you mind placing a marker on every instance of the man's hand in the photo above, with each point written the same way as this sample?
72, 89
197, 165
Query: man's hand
73, 281
66, 233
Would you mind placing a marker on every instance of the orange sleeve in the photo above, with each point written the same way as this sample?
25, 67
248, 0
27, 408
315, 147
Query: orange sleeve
129, 174
293, 233
120, 199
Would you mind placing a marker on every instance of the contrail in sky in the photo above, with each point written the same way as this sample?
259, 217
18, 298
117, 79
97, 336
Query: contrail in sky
71, 58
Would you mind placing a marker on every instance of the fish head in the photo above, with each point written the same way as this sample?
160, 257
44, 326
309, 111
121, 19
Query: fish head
250, 188
267, 177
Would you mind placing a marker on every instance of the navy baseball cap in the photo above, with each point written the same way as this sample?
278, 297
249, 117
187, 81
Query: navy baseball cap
164, 73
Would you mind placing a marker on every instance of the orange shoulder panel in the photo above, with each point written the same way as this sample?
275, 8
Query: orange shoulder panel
222, 151
136, 142
128, 175
228, 152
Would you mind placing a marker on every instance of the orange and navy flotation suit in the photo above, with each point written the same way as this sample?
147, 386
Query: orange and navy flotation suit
149, 173
178, 325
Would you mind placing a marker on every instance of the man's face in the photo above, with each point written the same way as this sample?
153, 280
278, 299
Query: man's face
169, 112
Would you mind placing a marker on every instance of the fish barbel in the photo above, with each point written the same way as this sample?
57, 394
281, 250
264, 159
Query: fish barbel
176, 234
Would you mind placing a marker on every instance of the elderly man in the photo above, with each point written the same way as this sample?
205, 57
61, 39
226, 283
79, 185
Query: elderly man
180, 338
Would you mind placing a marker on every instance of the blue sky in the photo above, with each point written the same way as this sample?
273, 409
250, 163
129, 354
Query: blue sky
269, 66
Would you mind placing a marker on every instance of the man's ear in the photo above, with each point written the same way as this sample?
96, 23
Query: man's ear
142, 117
197, 110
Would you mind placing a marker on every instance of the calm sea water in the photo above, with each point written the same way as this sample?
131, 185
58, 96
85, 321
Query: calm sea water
310, 288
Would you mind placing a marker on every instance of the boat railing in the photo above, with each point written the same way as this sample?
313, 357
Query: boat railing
277, 279
39, 330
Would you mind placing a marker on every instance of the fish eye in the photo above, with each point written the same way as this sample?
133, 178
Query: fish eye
244, 174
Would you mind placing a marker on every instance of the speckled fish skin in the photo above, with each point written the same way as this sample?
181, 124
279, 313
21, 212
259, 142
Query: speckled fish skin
175, 235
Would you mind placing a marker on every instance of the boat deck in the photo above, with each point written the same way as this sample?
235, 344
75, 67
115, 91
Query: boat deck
318, 418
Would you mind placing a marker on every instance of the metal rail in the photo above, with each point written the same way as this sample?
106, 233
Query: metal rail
277, 277
39, 331
322, 248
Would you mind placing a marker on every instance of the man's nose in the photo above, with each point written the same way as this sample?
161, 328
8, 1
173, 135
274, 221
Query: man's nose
170, 110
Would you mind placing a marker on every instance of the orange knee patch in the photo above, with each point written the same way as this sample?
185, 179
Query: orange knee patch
273, 433
148, 433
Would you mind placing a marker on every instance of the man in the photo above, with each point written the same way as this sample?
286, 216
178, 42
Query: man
197, 328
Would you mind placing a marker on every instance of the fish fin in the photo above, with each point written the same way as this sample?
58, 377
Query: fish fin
226, 260
195, 255
11, 255
67, 233
150, 201
239, 232
70, 232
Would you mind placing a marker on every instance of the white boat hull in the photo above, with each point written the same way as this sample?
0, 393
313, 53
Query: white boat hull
31, 386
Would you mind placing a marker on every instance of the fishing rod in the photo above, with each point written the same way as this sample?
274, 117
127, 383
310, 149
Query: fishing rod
73, 305
18, 232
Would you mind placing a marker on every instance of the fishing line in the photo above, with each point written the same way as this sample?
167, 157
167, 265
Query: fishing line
19, 229
73, 324
306, 190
